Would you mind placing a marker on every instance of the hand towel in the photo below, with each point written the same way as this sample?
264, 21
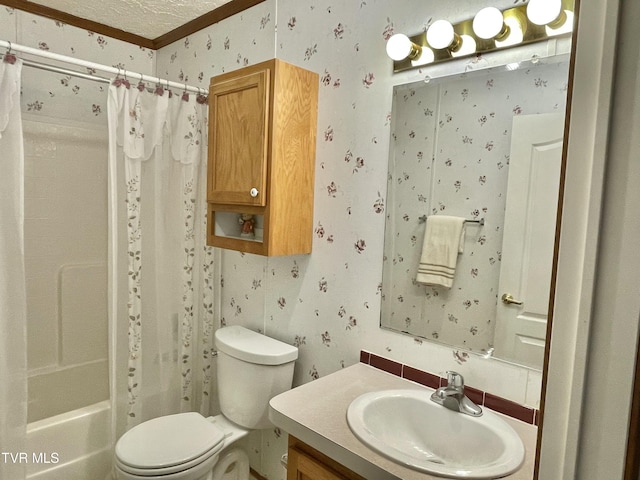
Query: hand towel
443, 240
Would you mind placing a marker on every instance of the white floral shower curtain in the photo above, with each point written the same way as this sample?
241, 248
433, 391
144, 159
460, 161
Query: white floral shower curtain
160, 286
13, 323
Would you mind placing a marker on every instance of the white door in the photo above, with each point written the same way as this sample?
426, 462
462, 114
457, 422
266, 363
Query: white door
528, 237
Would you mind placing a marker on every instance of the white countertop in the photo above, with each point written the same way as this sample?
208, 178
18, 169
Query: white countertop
316, 413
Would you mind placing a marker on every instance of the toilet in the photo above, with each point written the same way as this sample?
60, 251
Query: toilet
252, 368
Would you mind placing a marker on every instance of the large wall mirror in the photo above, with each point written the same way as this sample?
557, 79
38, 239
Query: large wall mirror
485, 146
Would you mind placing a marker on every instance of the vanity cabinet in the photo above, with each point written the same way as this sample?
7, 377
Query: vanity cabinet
262, 143
306, 463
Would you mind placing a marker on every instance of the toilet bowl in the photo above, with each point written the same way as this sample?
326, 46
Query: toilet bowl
233, 464
184, 446
252, 368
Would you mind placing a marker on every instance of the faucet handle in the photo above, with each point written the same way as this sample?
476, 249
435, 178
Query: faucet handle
454, 379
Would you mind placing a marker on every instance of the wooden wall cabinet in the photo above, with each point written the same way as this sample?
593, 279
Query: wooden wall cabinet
306, 463
262, 144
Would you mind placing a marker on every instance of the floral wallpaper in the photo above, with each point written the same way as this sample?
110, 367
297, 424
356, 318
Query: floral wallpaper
451, 145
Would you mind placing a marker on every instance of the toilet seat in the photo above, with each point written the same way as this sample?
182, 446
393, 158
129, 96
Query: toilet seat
168, 445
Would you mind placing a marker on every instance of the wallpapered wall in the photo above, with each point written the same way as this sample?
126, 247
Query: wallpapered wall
328, 303
451, 144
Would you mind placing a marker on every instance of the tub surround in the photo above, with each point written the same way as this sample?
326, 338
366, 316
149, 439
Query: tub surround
501, 405
324, 427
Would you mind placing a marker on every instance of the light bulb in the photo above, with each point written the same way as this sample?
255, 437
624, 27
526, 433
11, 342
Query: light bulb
399, 47
468, 46
565, 27
489, 23
544, 12
441, 35
426, 56
516, 32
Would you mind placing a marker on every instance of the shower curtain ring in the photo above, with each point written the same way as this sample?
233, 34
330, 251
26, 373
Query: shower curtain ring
117, 81
9, 57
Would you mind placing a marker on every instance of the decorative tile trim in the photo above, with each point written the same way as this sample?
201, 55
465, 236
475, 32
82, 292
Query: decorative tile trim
486, 399
364, 357
385, 364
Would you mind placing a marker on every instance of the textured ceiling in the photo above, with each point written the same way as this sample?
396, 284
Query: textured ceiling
147, 18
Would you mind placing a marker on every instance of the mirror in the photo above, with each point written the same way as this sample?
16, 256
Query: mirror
485, 146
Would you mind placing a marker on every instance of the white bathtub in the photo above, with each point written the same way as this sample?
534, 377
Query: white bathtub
71, 446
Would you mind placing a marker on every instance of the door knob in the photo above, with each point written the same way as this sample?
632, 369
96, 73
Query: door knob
509, 300
254, 192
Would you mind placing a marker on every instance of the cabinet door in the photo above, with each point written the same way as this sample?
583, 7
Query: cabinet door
238, 140
303, 467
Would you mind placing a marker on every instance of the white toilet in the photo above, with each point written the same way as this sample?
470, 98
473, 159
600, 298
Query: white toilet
252, 368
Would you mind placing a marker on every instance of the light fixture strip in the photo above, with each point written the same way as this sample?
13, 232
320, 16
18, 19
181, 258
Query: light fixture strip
531, 33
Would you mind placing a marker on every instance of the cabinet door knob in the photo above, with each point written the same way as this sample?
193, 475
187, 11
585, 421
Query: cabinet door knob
254, 192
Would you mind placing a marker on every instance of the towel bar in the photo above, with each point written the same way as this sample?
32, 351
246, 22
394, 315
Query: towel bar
479, 221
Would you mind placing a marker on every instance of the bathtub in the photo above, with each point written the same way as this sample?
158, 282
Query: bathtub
71, 446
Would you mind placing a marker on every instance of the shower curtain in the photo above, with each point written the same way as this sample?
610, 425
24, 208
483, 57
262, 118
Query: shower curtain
13, 323
161, 317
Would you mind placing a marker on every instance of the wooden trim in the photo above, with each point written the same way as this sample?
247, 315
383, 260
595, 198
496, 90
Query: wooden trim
227, 10
75, 21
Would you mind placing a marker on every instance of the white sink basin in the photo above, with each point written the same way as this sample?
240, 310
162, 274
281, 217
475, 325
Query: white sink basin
407, 427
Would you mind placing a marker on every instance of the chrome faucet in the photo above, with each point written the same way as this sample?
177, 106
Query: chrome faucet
452, 396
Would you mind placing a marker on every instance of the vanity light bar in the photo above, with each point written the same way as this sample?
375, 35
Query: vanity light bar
464, 41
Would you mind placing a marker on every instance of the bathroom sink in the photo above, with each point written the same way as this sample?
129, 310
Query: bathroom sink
410, 429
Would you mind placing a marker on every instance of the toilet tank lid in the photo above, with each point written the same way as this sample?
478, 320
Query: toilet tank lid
253, 347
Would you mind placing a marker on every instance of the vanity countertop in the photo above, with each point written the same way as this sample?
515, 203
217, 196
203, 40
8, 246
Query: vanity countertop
316, 413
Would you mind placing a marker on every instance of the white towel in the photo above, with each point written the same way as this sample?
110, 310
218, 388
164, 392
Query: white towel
443, 240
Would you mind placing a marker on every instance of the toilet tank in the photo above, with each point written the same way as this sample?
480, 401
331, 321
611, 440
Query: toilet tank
252, 369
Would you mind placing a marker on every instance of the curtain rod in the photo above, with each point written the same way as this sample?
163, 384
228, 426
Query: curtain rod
14, 47
64, 71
